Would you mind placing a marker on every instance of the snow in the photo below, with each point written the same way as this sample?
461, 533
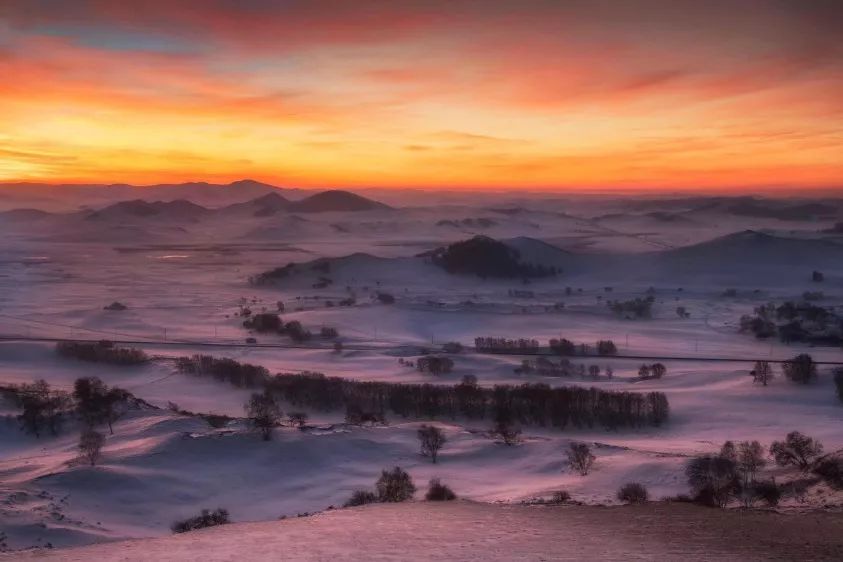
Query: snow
184, 283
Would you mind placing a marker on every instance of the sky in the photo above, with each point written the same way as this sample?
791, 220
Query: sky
636, 95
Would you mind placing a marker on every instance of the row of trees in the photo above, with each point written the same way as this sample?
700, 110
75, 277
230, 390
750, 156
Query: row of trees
493, 344
268, 322
435, 365
801, 369
564, 368
101, 352
795, 322
531, 404
634, 308
559, 346
43, 409
566, 347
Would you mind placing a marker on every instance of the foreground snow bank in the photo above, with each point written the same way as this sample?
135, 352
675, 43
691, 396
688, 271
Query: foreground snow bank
470, 531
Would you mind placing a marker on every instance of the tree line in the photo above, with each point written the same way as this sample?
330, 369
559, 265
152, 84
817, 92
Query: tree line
528, 404
560, 346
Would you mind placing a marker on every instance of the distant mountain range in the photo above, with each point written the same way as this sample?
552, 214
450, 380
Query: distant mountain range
266, 205
73, 196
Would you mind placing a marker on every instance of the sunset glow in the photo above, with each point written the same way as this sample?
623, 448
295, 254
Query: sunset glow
535, 94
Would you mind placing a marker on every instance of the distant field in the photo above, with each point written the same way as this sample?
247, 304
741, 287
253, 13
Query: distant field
470, 531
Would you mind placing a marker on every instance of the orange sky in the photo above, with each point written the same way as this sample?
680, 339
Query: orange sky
725, 95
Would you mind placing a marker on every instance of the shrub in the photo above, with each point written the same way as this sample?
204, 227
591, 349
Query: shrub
395, 486
633, 492
580, 458
90, 444
801, 369
831, 471
560, 496
386, 298
202, 521
438, 492
796, 450
328, 332
361, 497
768, 491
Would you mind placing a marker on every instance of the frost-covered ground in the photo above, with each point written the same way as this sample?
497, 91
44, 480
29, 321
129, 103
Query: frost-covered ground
185, 283
467, 531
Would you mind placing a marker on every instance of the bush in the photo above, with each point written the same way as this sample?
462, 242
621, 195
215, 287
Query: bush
438, 492
560, 496
838, 382
768, 491
580, 458
633, 492
202, 521
796, 450
395, 486
328, 332
361, 497
831, 471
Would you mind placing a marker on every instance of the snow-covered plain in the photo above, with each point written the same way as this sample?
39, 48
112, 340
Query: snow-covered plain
183, 273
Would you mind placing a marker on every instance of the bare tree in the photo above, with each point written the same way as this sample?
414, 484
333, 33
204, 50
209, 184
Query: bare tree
729, 451
713, 478
762, 372
580, 458
90, 445
395, 486
796, 450
750, 460
263, 412
432, 439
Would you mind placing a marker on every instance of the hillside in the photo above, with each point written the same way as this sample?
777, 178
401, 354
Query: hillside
338, 201
753, 249
470, 531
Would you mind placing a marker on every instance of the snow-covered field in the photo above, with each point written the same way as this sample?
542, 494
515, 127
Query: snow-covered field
184, 275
